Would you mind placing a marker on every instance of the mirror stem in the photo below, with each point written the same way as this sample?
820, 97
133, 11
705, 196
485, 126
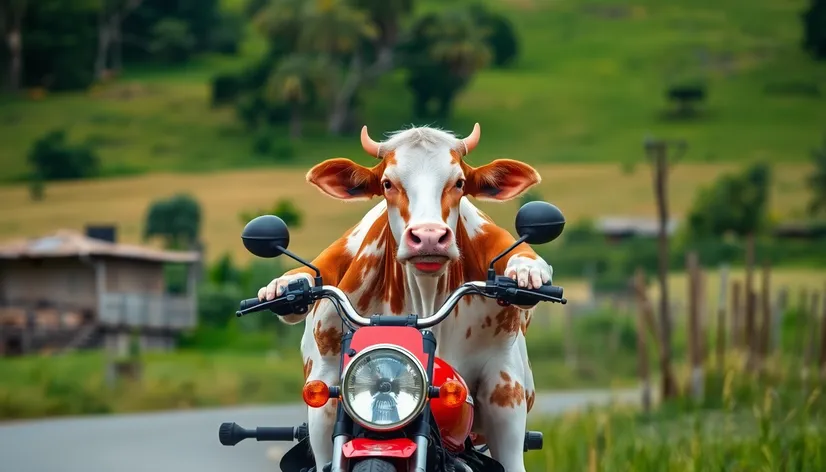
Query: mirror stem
318, 282
491, 270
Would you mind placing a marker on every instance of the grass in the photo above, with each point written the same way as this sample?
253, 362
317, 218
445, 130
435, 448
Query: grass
744, 424
580, 190
588, 87
230, 367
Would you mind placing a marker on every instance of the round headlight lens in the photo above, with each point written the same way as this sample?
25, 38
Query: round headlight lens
384, 388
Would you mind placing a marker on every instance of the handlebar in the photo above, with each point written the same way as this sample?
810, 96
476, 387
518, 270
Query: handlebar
299, 296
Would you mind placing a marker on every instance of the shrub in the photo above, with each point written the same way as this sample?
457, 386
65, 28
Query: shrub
225, 88
53, 158
171, 41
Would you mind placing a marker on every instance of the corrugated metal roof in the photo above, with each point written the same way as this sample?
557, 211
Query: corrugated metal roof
67, 243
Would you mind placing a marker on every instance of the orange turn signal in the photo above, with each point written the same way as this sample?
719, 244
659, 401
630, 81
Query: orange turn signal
452, 394
316, 393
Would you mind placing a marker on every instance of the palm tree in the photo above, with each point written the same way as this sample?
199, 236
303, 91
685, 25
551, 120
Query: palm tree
817, 181
292, 82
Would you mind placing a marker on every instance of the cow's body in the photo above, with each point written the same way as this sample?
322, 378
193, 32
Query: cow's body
483, 341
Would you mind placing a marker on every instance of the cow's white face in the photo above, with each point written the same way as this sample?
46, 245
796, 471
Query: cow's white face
423, 178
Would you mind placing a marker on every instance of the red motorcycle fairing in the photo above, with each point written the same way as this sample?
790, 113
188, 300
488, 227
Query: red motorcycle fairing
399, 448
454, 423
402, 336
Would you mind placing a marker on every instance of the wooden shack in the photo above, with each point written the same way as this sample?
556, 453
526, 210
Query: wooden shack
72, 290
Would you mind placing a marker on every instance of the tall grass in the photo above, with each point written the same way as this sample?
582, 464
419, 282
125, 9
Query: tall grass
744, 423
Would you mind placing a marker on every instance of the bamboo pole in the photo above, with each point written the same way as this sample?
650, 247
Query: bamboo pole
694, 344
750, 303
765, 348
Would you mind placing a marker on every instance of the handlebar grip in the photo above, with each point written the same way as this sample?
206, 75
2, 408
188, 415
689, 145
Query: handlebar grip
265, 433
249, 303
551, 290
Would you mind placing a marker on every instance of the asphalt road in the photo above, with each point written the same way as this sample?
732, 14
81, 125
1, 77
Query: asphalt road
182, 441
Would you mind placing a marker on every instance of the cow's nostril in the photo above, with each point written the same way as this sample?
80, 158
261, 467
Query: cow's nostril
445, 238
414, 238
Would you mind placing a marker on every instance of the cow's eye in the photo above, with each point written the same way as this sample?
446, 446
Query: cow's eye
460, 184
387, 185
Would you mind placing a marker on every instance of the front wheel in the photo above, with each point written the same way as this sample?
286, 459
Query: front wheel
373, 465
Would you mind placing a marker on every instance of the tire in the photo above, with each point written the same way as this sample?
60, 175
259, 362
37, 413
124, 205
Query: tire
373, 465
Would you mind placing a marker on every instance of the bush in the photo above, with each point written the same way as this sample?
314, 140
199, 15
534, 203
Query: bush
177, 220
217, 304
501, 38
225, 88
814, 29
226, 36
52, 158
171, 41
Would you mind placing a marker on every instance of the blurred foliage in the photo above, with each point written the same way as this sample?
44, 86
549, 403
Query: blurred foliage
284, 209
817, 180
171, 41
735, 204
176, 220
743, 423
814, 28
53, 158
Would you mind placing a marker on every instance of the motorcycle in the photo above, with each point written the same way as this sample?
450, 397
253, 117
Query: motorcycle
416, 415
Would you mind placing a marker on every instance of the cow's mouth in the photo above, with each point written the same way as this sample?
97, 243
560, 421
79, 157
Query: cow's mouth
429, 264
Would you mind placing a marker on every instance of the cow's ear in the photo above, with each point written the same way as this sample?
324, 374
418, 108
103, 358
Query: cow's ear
501, 180
344, 179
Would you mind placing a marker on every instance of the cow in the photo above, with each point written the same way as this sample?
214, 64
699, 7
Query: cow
421, 241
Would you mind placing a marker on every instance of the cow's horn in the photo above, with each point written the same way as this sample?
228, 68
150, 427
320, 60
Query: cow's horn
370, 147
472, 140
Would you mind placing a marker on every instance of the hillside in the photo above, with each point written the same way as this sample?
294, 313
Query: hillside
580, 190
588, 86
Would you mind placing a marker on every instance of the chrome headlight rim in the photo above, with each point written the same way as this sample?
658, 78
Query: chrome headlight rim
419, 406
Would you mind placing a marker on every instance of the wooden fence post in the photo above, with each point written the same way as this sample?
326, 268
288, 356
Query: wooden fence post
811, 329
822, 360
694, 344
765, 348
777, 321
721, 319
750, 302
736, 315
644, 313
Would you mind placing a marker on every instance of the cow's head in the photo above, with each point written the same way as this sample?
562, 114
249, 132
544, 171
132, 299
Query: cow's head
423, 177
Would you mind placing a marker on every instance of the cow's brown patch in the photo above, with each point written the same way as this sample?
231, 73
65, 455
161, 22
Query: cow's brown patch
530, 398
308, 368
467, 333
507, 393
330, 408
328, 340
507, 320
487, 323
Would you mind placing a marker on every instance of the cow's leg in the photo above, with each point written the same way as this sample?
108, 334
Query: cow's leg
320, 421
503, 408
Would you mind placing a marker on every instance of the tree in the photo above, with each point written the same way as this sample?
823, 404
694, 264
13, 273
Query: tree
176, 220
12, 13
294, 82
736, 204
53, 158
171, 41
111, 15
501, 35
814, 29
817, 181
443, 53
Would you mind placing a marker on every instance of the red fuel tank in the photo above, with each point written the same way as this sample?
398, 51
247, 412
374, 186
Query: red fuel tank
454, 423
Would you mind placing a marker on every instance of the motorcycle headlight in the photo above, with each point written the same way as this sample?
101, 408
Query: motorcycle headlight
384, 387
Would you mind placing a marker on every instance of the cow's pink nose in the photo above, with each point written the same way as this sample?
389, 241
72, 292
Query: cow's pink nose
429, 238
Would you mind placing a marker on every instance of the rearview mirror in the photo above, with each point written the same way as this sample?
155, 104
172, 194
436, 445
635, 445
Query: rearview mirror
539, 222
266, 236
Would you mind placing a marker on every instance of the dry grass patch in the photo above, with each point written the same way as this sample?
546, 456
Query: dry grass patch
581, 190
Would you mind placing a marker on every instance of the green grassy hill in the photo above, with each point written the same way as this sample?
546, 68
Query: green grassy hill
588, 86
